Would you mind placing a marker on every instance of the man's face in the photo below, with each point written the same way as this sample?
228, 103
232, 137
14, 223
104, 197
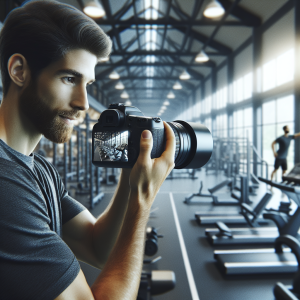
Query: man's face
53, 101
287, 130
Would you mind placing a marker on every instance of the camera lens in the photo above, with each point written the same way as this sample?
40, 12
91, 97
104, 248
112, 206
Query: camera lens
194, 144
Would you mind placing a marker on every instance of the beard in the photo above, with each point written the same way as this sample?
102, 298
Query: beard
286, 131
45, 120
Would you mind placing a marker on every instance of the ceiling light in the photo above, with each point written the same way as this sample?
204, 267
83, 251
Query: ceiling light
177, 86
166, 103
124, 95
214, 9
202, 57
128, 102
164, 107
114, 75
185, 75
93, 8
120, 86
171, 95
159, 114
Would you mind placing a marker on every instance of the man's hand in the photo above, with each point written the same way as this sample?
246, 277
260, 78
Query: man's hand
275, 154
148, 174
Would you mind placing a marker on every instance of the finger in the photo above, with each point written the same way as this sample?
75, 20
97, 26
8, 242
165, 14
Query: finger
146, 144
170, 142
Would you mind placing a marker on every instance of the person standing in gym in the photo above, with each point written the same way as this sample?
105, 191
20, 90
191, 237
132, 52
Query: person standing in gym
48, 53
284, 142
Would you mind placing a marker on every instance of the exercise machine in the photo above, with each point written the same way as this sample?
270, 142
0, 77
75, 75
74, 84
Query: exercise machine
242, 196
155, 283
282, 292
235, 217
223, 235
266, 261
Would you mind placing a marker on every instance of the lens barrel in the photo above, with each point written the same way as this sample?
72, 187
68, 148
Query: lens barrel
194, 144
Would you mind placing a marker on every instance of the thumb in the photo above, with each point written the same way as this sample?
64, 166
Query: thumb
146, 144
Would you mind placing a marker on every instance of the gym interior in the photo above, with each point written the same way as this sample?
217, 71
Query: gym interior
225, 230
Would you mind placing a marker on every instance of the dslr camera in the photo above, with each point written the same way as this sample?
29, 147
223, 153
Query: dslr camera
116, 139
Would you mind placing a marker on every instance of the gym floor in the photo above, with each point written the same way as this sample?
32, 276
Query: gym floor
191, 258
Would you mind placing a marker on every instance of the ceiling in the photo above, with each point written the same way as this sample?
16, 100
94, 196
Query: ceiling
154, 41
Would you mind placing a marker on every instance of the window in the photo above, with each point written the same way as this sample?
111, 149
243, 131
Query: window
278, 71
242, 88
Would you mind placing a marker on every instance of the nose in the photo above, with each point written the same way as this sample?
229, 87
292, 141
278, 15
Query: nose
80, 101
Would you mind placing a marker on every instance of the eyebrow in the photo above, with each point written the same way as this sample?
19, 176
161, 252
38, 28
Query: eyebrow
71, 72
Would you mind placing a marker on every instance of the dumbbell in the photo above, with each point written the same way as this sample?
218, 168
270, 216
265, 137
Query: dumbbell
151, 246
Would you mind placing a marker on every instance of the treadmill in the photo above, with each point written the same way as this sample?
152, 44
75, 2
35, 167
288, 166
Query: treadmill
222, 235
235, 217
265, 261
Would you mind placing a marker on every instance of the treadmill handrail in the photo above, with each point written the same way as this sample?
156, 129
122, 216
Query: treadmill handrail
283, 187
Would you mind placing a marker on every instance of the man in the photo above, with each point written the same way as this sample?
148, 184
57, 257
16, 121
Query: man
48, 53
284, 142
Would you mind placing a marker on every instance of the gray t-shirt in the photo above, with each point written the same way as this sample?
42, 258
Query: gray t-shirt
35, 263
284, 144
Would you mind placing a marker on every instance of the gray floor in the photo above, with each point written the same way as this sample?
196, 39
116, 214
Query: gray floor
210, 283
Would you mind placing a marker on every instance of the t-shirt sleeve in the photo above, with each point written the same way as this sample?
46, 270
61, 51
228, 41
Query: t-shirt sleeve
292, 137
70, 207
35, 263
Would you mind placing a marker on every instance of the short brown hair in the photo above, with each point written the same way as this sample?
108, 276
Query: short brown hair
43, 31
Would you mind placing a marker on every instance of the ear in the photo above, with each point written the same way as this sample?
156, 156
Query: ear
18, 69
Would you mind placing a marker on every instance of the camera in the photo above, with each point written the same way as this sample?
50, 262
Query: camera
116, 139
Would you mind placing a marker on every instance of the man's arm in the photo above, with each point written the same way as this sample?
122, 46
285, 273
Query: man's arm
124, 264
296, 135
92, 240
273, 148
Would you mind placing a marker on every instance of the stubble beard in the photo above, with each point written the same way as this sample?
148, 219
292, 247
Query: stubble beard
47, 121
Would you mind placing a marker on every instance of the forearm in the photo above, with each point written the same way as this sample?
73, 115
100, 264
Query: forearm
120, 276
273, 148
107, 226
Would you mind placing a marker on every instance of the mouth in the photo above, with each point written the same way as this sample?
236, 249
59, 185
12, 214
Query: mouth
68, 120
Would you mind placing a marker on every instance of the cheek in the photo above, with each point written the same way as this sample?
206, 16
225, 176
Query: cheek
54, 96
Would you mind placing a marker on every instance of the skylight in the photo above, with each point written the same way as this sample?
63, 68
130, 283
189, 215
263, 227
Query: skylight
151, 9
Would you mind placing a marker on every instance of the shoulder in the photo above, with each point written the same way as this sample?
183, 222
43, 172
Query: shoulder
44, 165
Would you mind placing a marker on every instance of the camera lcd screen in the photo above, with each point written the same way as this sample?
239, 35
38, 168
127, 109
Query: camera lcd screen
111, 146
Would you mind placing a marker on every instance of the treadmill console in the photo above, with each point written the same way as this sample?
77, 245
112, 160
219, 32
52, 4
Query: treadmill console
293, 175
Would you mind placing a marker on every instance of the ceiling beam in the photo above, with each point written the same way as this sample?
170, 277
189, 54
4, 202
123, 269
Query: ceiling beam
246, 17
208, 64
164, 22
164, 53
203, 39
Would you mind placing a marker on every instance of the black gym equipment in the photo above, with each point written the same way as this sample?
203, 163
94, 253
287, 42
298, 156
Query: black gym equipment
234, 217
223, 235
151, 246
266, 261
155, 283
239, 197
282, 292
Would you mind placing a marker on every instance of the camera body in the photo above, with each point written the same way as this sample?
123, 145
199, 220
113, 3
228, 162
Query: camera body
116, 136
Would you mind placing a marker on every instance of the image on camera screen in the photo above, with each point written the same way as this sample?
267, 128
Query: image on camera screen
111, 146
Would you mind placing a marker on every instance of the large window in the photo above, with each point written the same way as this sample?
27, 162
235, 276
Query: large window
278, 71
275, 115
241, 126
220, 98
242, 88
220, 126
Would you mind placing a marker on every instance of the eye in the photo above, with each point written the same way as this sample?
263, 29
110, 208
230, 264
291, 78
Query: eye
69, 79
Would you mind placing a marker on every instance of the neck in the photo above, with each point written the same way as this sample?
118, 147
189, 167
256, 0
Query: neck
15, 129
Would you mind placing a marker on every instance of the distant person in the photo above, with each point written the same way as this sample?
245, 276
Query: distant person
284, 142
